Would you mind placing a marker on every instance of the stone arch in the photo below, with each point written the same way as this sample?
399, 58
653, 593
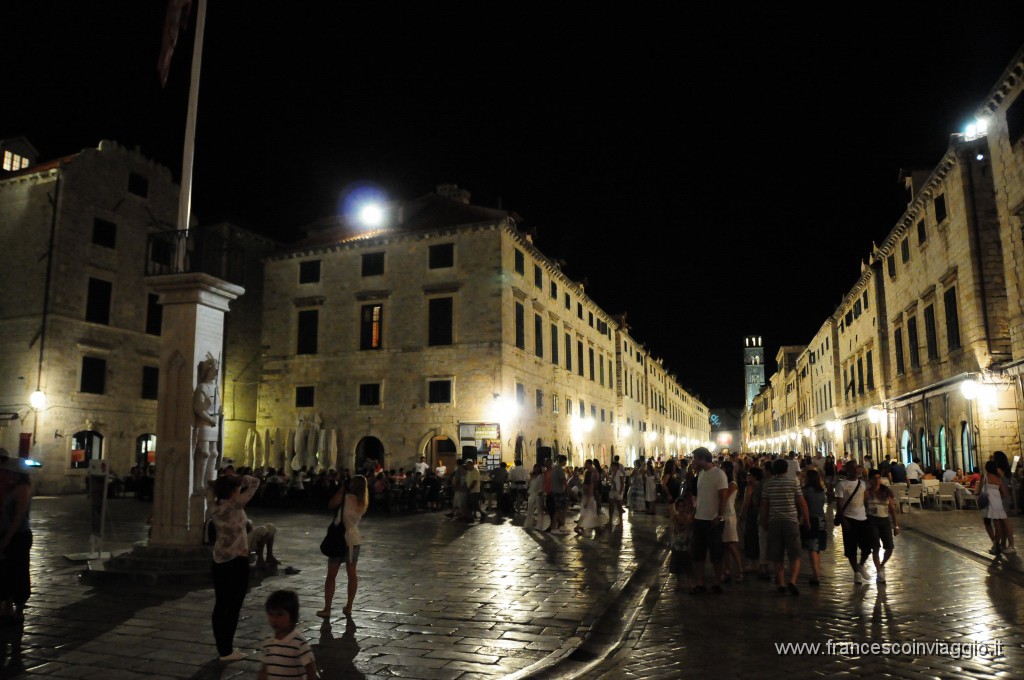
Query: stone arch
369, 447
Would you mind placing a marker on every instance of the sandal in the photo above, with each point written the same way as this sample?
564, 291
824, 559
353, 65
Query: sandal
347, 611
324, 613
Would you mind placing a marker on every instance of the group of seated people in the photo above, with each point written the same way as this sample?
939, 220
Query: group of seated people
401, 491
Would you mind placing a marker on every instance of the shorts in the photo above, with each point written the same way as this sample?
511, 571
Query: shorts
556, 502
783, 539
680, 562
351, 556
881, 531
856, 534
729, 534
707, 537
814, 540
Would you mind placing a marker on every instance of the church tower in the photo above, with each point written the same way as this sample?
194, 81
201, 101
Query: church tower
753, 367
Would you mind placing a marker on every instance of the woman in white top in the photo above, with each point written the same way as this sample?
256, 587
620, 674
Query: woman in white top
352, 502
535, 499
588, 519
616, 482
854, 517
995, 513
650, 487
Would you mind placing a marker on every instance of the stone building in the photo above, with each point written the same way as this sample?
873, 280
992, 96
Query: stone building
448, 333
926, 345
79, 325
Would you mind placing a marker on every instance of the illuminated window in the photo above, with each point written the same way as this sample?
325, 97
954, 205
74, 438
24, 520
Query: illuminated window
371, 325
13, 161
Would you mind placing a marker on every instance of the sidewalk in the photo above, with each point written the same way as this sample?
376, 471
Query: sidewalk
964, 531
438, 599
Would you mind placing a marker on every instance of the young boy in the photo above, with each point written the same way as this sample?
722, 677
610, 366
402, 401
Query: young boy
286, 654
681, 563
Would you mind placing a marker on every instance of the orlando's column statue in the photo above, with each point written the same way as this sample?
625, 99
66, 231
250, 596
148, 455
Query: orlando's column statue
206, 407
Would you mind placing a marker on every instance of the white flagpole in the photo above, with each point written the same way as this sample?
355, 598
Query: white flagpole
185, 198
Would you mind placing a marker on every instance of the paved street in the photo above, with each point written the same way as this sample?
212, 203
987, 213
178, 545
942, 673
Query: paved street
444, 599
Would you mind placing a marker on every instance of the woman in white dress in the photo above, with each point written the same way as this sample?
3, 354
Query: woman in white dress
589, 519
650, 486
995, 513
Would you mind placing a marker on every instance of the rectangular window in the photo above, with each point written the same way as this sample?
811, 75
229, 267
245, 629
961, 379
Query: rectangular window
952, 318
871, 371
915, 357
856, 309
897, 341
905, 250
568, 301
520, 262
154, 315
579, 358
922, 235
860, 375
602, 415
554, 344
930, 336
439, 391
554, 290
520, 326
371, 327
521, 395
554, 403
150, 382
138, 184
583, 409
540, 401
890, 263
865, 301
1015, 120
590, 351
579, 310
94, 375
308, 332
568, 407
440, 321
309, 271
104, 233
369, 394
538, 334
373, 264
568, 352
590, 316
97, 304
441, 256
593, 412
305, 397
538, 276
940, 209
600, 372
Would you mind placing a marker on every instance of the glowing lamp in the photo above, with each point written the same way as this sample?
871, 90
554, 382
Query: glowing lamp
37, 400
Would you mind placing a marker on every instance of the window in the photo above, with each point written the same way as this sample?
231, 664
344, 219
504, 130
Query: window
940, 209
579, 358
538, 334
86, 445
138, 184
583, 409
97, 304
540, 401
897, 341
915, 358
150, 382
521, 395
871, 371
439, 391
593, 412
554, 290
554, 344
922, 235
860, 375
520, 326
930, 340
568, 301
373, 264
305, 397
952, 318
309, 271
590, 319
600, 366
13, 161
94, 375
579, 310
440, 321
905, 250
602, 415
568, 352
369, 394
865, 299
538, 276
590, 351
891, 265
1015, 120
856, 309
104, 233
308, 332
568, 407
520, 262
554, 403
441, 256
154, 315
371, 327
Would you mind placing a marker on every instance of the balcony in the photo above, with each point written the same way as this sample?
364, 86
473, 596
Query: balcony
200, 250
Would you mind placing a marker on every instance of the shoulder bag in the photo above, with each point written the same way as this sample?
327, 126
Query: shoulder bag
839, 515
983, 494
333, 545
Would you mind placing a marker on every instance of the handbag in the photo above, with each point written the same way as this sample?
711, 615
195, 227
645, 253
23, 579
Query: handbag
983, 495
838, 520
334, 545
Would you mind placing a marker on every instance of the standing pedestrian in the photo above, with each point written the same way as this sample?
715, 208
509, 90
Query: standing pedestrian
783, 510
748, 521
616, 482
881, 509
670, 483
230, 559
637, 490
286, 654
535, 499
650, 487
712, 495
351, 505
15, 537
681, 522
588, 518
814, 536
854, 519
730, 533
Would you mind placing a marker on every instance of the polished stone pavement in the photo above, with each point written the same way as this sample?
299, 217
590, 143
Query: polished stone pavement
444, 599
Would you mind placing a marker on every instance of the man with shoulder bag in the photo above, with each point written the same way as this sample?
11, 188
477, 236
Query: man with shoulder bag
852, 514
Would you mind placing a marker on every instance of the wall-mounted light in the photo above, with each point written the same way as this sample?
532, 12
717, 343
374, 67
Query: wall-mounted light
37, 400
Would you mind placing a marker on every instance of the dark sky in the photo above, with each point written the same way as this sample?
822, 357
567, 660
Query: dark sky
712, 172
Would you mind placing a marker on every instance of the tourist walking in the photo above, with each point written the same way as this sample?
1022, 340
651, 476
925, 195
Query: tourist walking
854, 519
650, 487
230, 558
749, 524
712, 494
535, 500
881, 509
730, 533
783, 510
351, 506
616, 483
588, 518
15, 537
814, 536
637, 489
994, 490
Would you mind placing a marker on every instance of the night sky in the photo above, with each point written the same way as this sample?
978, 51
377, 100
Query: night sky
711, 172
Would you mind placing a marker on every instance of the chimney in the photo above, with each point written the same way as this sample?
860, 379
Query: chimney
913, 181
453, 192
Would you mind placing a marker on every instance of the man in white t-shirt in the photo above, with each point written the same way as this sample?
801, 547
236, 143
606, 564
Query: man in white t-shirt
914, 471
712, 495
856, 530
792, 466
422, 467
441, 470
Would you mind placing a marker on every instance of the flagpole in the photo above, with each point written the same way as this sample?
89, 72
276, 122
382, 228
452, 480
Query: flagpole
185, 197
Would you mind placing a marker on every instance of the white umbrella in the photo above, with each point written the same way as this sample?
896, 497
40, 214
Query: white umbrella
298, 448
268, 451
312, 440
323, 457
332, 450
257, 446
277, 461
247, 450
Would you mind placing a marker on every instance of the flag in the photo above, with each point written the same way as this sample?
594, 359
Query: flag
175, 24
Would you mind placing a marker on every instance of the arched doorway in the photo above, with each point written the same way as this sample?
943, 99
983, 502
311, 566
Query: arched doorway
369, 453
970, 460
145, 450
86, 445
927, 455
942, 453
906, 451
441, 450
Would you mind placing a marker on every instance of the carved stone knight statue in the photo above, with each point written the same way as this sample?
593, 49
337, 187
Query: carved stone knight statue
206, 407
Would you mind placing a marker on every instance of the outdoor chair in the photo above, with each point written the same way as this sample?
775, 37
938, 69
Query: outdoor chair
913, 495
968, 498
899, 493
946, 494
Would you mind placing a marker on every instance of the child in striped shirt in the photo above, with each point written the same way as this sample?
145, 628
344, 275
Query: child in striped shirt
286, 654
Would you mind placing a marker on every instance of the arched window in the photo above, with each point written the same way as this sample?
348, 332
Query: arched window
927, 455
966, 445
86, 445
906, 451
942, 453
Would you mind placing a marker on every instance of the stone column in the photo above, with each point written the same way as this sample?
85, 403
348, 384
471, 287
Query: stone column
193, 325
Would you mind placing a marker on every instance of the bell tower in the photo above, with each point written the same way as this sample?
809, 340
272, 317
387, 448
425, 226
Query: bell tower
753, 367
